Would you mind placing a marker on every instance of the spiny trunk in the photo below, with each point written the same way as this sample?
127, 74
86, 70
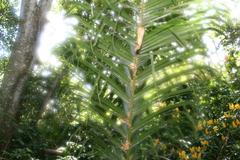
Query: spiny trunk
32, 19
133, 68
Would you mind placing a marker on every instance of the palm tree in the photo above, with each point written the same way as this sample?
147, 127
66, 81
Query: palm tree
136, 55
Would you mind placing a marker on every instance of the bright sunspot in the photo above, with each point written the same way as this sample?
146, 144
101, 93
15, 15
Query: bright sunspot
56, 31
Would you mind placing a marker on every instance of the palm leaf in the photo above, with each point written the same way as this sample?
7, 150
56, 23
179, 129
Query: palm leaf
134, 44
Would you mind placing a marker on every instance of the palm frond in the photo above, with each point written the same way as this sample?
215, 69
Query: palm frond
141, 52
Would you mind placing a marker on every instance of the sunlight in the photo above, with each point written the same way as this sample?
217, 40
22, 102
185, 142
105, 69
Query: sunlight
60, 28
216, 53
56, 31
218, 56
233, 6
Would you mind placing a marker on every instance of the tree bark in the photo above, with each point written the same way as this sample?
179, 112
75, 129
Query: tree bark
32, 20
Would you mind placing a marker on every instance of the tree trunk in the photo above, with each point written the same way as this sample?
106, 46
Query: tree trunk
32, 19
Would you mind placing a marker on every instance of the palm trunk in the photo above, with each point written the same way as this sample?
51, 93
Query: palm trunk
31, 24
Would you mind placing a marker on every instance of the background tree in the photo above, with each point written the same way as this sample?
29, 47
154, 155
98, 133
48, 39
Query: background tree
32, 19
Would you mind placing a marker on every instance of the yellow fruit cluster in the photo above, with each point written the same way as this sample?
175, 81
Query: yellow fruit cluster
203, 124
234, 106
182, 155
199, 127
223, 138
204, 142
227, 115
210, 122
195, 152
212, 128
235, 123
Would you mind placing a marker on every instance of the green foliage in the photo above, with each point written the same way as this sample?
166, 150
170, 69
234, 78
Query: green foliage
8, 24
218, 120
19, 154
218, 123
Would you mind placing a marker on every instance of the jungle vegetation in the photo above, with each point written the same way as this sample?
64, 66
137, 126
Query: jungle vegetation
134, 81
